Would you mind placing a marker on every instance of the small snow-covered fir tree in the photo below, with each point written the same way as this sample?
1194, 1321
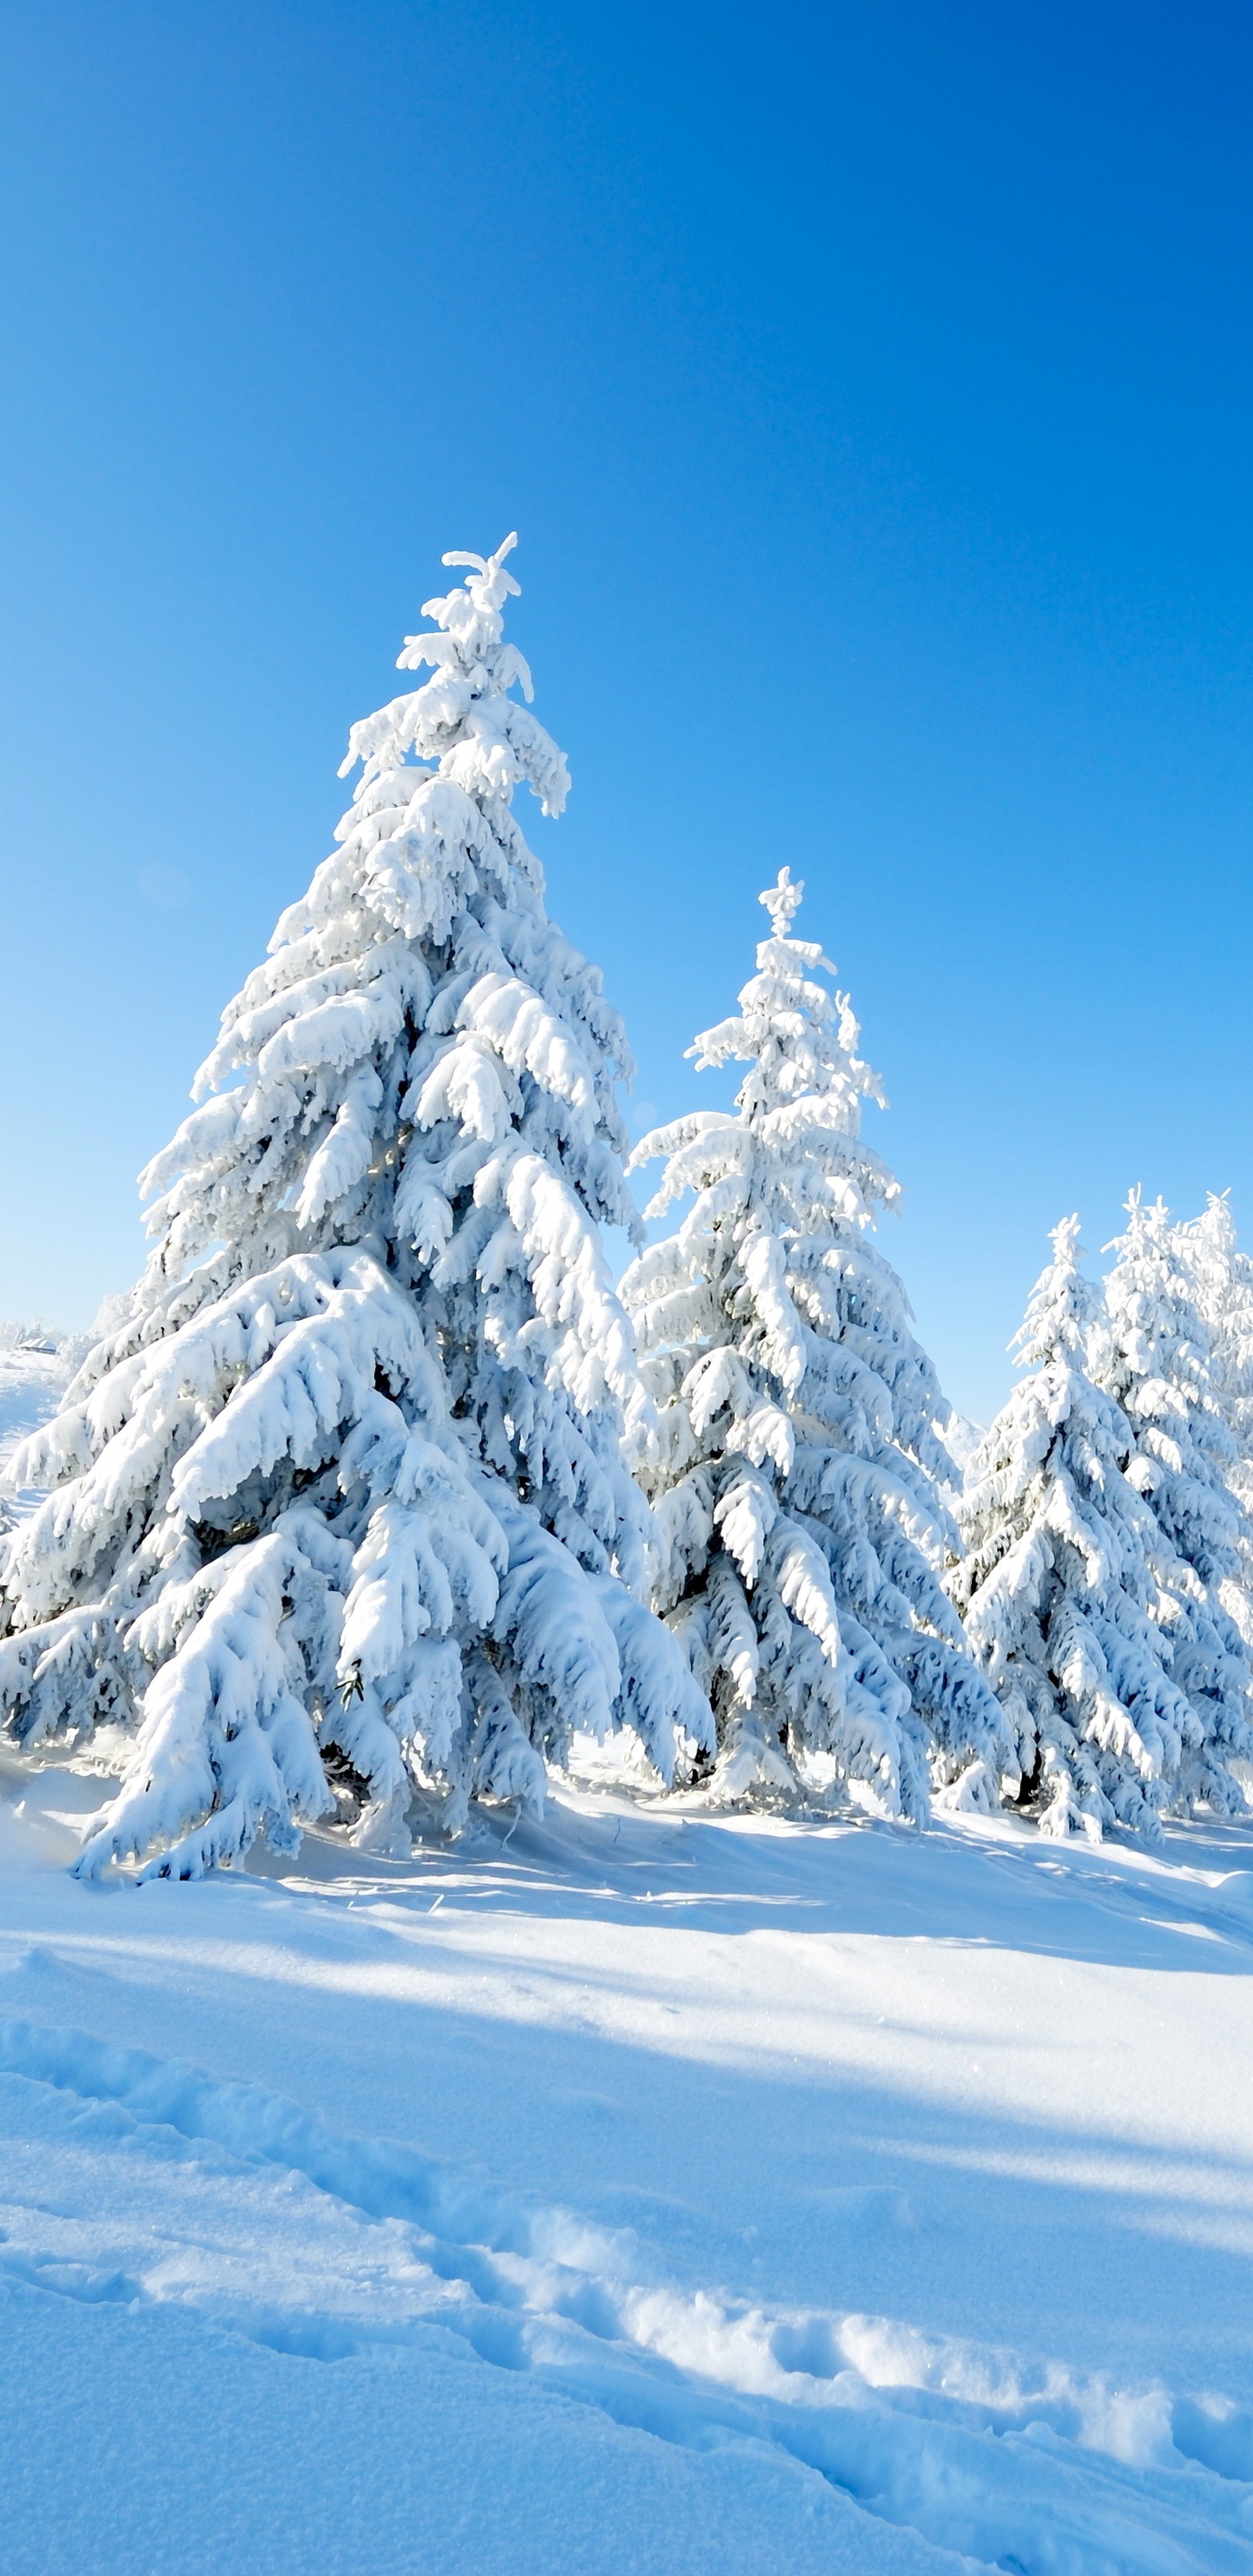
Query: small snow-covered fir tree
1221, 1278
340, 1497
795, 1465
1063, 1587
1156, 1364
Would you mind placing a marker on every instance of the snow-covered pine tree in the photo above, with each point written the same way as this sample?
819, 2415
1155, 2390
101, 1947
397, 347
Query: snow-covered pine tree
795, 1464
1221, 1277
1063, 1584
341, 1491
1155, 1362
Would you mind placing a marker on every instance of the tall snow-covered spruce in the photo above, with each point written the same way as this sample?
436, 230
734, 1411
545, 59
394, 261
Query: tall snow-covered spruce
1063, 1587
1099, 1533
1157, 1366
341, 1503
795, 1465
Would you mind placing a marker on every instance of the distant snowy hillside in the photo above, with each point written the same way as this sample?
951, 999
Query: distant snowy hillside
36, 1364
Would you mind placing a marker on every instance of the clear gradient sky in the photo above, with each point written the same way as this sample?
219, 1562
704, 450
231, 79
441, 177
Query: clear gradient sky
872, 388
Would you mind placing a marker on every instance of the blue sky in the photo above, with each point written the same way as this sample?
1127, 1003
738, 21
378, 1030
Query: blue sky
872, 391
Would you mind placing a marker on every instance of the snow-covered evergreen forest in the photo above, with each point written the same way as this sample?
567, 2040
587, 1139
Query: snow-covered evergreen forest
626, 1291
708, 1968
376, 1498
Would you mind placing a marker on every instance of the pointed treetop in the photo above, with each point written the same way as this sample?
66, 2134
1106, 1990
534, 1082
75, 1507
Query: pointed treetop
1144, 1216
783, 902
490, 587
1217, 1224
464, 720
489, 565
1063, 1309
472, 617
799, 1040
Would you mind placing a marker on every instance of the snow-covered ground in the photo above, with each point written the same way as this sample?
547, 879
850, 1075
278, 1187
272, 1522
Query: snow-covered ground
629, 2192
636, 2191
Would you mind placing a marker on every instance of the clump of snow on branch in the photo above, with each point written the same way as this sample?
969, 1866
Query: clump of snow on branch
796, 1465
340, 1502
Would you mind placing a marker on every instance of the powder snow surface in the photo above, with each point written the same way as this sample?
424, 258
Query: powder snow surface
631, 2192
